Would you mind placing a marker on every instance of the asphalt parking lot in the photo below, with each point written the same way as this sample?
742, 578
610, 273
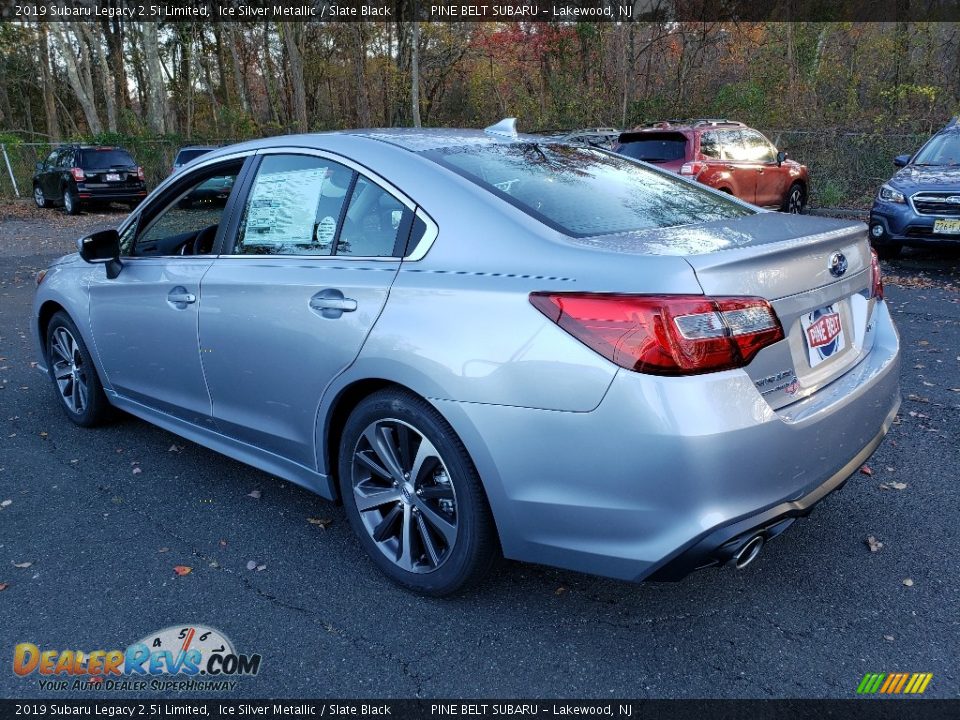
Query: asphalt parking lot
103, 516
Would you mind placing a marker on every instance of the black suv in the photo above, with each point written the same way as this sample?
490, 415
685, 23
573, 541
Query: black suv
77, 175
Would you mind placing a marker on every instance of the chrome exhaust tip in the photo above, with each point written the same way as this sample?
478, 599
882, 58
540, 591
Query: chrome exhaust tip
748, 552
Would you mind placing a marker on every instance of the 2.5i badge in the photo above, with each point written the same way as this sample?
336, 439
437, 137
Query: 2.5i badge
824, 334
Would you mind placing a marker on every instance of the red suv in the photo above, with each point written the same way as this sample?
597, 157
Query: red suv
725, 155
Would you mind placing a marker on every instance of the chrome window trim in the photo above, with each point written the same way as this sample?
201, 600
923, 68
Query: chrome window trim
422, 246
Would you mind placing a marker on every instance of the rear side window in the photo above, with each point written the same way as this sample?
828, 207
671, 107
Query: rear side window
582, 192
105, 159
710, 145
654, 147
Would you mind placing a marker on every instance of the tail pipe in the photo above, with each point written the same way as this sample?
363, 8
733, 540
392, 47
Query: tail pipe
747, 552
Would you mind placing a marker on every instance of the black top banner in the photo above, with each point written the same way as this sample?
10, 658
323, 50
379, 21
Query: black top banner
621, 11
518, 709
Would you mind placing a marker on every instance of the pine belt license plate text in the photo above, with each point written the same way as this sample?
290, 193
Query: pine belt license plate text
113, 177
824, 334
947, 227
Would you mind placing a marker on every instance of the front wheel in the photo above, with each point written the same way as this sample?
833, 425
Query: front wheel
413, 497
796, 199
74, 376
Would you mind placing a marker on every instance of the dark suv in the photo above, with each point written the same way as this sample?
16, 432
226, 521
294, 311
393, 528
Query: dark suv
920, 205
78, 175
725, 155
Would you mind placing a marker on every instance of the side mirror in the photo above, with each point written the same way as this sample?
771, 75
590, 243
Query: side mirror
781, 156
901, 160
102, 248
39, 167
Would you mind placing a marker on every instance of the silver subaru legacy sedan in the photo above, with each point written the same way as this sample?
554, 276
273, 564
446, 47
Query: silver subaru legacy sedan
488, 344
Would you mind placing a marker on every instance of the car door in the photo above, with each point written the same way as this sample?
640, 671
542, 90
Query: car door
770, 178
43, 175
288, 308
53, 174
743, 171
144, 320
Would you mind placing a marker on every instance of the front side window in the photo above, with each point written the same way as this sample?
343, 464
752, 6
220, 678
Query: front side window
306, 205
584, 192
732, 147
758, 148
710, 145
188, 225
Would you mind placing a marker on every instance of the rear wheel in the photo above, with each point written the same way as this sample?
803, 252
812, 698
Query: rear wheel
796, 199
413, 497
74, 376
71, 203
39, 198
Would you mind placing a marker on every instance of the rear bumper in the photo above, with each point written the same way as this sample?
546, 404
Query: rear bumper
106, 193
667, 470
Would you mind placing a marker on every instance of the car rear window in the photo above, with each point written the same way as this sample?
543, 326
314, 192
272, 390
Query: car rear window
654, 147
582, 191
185, 156
105, 159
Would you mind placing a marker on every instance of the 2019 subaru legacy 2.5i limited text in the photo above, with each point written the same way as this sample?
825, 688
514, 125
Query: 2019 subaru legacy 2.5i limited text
485, 343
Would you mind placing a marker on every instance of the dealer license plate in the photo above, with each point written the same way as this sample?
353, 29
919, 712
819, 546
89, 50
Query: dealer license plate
947, 227
823, 332
113, 177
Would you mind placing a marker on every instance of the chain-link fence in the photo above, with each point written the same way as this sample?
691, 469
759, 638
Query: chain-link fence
845, 168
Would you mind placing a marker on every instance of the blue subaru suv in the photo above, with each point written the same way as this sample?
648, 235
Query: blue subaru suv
920, 205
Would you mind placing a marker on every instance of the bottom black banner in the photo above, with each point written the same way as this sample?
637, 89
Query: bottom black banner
915, 709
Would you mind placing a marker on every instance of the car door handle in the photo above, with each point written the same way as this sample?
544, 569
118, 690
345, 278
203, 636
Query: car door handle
331, 303
179, 297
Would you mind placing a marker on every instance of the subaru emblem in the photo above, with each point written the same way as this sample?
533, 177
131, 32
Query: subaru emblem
838, 264
954, 199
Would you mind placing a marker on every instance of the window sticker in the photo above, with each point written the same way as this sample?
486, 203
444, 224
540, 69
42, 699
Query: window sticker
283, 207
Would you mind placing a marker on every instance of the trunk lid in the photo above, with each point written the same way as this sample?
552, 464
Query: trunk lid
786, 259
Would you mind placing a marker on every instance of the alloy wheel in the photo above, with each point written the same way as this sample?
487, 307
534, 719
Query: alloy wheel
69, 370
404, 495
795, 201
38, 197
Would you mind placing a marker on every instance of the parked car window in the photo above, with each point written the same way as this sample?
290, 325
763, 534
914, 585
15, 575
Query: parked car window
188, 224
188, 154
51, 161
581, 191
655, 147
65, 158
940, 150
294, 206
710, 145
757, 148
98, 159
731, 144
373, 222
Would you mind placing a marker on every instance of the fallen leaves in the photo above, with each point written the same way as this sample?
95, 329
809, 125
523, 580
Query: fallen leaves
324, 523
4, 586
255, 494
254, 565
888, 638
175, 448
893, 486
866, 470
163, 550
908, 582
6, 503
182, 570
23, 565
874, 544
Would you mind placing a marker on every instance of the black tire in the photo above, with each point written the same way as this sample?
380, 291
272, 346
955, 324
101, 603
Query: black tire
446, 488
71, 203
75, 378
888, 252
39, 198
796, 200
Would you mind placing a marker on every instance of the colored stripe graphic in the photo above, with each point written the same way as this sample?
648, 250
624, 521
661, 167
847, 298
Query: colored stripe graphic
894, 683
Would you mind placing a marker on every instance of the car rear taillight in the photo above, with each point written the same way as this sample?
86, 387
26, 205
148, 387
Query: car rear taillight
140, 174
666, 334
693, 168
77, 173
876, 278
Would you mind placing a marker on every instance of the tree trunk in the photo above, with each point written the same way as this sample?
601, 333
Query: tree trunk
156, 91
292, 34
360, 69
46, 77
78, 78
98, 64
415, 70
238, 74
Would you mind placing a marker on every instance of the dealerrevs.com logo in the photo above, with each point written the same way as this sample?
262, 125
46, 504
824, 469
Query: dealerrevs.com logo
177, 658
